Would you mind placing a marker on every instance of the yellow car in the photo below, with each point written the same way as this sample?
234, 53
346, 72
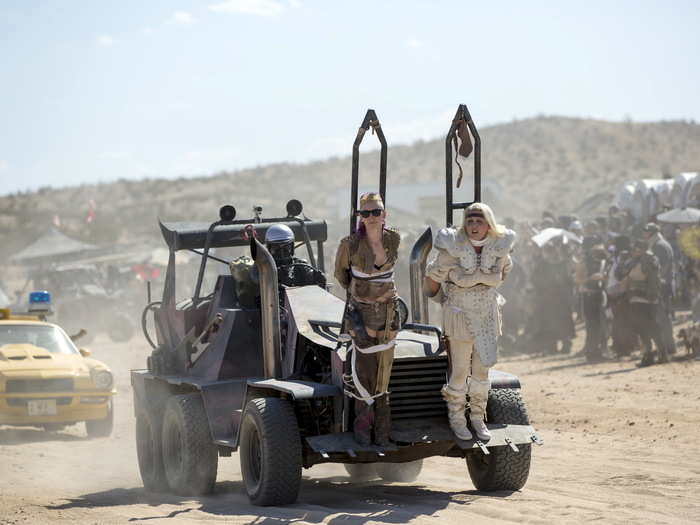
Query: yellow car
46, 381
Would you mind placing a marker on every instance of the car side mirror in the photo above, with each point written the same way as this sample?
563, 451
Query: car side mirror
85, 352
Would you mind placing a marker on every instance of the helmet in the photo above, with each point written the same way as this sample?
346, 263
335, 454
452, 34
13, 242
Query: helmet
280, 243
279, 233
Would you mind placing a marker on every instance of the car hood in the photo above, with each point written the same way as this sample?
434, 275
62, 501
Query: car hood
27, 357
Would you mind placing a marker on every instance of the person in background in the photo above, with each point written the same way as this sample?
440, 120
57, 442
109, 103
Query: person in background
623, 338
553, 282
660, 247
590, 272
641, 280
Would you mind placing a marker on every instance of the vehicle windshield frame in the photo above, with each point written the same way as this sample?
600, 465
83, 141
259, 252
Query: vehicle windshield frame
38, 335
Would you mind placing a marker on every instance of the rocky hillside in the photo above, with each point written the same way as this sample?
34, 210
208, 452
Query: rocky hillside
540, 163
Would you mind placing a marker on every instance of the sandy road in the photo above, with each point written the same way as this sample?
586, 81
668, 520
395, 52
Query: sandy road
620, 447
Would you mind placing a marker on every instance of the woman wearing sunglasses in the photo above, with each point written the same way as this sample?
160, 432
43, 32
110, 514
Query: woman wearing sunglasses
364, 266
471, 262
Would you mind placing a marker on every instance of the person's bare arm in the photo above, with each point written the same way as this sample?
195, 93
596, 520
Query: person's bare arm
430, 286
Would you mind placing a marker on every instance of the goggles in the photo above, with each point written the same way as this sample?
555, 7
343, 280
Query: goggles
366, 213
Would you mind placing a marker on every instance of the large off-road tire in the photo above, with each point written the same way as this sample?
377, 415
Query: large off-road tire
190, 457
100, 428
270, 452
120, 328
149, 453
400, 472
502, 469
361, 472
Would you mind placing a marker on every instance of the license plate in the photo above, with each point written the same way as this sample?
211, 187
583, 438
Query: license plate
41, 407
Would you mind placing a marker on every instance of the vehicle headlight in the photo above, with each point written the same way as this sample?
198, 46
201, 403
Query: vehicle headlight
102, 379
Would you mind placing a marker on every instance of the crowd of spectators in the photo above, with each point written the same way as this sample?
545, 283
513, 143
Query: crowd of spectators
623, 279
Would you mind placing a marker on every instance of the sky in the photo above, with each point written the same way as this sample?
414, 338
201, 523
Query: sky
95, 91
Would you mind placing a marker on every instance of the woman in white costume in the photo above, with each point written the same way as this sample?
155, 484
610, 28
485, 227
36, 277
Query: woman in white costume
471, 262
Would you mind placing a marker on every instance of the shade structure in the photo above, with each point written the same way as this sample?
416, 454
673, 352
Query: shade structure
549, 234
680, 216
53, 243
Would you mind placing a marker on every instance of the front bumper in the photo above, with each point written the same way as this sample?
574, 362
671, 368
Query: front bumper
71, 407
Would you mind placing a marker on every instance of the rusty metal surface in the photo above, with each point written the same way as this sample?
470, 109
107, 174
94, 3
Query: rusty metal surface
342, 442
461, 114
313, 303
192, 235
296, 388
437, 429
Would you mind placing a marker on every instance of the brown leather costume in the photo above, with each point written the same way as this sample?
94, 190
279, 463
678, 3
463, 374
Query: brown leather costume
372, 295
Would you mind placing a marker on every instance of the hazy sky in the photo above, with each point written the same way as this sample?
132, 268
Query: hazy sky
95, 90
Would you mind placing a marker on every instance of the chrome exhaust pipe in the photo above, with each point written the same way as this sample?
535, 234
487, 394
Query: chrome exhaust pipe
269, 309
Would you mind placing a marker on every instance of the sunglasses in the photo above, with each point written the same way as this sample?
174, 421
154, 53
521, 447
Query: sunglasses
374, 213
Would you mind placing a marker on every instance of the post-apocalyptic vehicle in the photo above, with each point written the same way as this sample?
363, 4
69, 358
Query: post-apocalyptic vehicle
45, 380
263, 373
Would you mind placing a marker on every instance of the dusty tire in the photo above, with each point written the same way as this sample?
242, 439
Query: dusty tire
190, 458
149, 454
360, 472
120, 329
270, 452
400, 472
502, 469
100, 428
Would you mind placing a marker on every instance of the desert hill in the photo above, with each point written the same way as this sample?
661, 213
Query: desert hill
539, 163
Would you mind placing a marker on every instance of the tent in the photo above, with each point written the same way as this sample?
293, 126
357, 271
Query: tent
625, 198
692, 196
681, 184
52, 244
652, 195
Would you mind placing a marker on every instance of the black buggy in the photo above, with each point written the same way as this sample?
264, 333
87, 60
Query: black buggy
263, 372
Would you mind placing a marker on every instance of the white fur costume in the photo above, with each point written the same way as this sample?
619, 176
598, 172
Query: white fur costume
471, 308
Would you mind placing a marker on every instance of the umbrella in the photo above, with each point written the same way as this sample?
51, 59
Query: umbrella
548, 234
680, 216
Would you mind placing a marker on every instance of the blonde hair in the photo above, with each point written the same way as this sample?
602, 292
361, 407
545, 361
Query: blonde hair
370, 197
495, 229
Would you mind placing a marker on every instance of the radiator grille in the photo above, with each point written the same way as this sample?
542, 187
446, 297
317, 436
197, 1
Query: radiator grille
29, 386
23, 401
415, 387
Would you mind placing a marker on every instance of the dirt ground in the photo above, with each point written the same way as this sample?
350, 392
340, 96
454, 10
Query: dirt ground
621, 446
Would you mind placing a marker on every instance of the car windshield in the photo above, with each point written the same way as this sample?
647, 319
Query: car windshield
43, 336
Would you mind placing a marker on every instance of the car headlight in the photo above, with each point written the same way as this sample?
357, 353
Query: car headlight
102, 379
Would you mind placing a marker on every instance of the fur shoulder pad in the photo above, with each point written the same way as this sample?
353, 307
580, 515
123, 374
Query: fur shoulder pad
504, 245
445, 238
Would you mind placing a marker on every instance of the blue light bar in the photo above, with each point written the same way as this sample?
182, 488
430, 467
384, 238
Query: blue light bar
41, 298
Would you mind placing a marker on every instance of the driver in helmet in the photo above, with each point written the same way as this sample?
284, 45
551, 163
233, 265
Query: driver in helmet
291, 271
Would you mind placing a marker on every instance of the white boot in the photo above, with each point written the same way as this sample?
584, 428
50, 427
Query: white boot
456, 404
479, 428
478, 396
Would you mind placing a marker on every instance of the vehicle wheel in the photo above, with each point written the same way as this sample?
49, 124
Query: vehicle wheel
100, 428
190, 458
121, 328
502, 469
270, 452
149, 453
360, 472
399, 472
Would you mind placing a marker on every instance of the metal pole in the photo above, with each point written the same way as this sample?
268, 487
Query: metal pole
369, 120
